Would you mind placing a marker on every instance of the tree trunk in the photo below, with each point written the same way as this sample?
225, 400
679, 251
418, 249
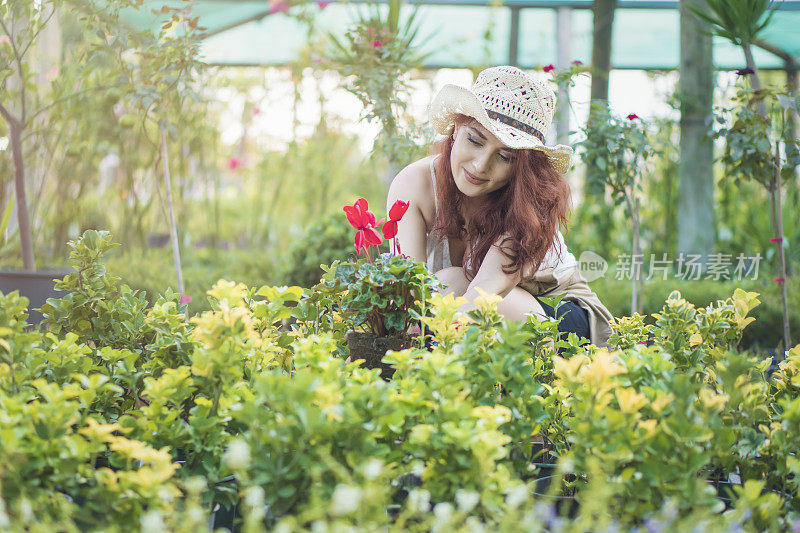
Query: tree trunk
601, 48
777, 217
23, 219
173, 230
636, 299
696, 165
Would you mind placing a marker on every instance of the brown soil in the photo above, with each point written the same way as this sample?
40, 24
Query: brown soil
372, 348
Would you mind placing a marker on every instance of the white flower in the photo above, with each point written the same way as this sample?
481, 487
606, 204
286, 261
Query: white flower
419, 500
254, 497
196, 514
195, 484
373, 469
130, 56
282, 527
166, 495
237, 456
474, 525
152, 522
443, 511
466, 500
345, 499
25, 510
517, 495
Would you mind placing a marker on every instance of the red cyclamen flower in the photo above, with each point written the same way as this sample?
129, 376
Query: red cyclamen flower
548, 68
776, 239
396, 213
376, 43
363, 220
632, 116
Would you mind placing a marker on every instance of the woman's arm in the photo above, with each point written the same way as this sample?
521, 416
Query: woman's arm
490, 277
411, 231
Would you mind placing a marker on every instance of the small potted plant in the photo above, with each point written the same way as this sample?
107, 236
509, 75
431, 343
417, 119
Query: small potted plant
384, 294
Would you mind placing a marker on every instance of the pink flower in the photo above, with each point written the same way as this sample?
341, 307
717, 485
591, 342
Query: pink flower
548, 68
256, 110
323, 4
632, 116
776, 239
376, 43
780, 280
185, 299
234, 163
51, 74
577, 62
5, 39
281, 6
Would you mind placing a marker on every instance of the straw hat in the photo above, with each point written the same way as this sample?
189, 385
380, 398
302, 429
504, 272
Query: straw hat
512, 105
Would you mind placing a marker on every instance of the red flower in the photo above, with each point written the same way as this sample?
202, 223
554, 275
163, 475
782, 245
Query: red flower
279, 7
363, 220
780, 280
548, 68
376, 43
632, 116
396, 213
776, 239
397, 210
323, 4
185, 299
577, 62
256, 110
390, 229
234, 163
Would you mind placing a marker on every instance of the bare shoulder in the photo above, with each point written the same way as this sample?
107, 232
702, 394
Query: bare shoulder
413, 184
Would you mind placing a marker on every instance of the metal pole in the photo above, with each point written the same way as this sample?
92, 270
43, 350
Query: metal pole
513, 38
173, 230
563, 58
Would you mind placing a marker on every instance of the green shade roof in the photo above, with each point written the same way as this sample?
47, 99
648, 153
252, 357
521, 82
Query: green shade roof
646, 33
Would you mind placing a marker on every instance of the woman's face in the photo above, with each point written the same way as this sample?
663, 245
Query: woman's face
480, 162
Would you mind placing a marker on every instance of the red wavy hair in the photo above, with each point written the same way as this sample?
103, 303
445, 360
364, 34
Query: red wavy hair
529, 210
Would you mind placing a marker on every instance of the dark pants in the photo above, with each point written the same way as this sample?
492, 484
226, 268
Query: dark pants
575, 318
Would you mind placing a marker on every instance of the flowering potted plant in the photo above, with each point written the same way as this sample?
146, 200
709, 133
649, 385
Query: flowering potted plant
384, 294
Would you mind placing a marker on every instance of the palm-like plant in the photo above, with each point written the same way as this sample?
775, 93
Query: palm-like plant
741, 22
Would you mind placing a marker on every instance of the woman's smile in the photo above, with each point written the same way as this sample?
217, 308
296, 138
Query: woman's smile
472, 179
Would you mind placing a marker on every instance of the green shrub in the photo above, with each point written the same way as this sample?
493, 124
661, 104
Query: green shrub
127, 413
765, 334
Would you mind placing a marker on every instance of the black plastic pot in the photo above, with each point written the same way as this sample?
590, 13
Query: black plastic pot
37, 286
565, 504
